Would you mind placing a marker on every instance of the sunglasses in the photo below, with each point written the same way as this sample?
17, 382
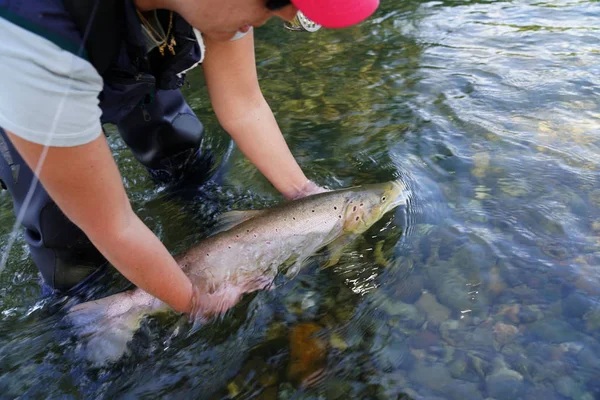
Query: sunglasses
275, 5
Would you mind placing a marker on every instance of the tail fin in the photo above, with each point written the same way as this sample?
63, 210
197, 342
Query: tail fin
105, 326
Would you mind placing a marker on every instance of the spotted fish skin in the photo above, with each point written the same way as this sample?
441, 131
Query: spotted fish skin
247, 256
261, 245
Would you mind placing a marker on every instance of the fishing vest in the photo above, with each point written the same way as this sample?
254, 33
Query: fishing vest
108, 34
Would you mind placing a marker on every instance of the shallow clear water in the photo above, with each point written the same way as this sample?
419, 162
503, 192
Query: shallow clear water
486, 286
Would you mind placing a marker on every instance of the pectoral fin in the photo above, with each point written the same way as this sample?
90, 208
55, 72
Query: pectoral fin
379, 256
336, 249
230, 219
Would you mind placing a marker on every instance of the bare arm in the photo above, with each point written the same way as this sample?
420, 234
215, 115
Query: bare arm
232, 81
85, 183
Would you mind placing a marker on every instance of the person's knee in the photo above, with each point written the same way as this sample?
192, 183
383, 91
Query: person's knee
160, 133
187, 133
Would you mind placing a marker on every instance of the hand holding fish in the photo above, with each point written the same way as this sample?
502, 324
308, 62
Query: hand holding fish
308, 189
206, 303
210, 301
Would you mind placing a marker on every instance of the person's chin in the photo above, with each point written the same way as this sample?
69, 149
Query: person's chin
219, 36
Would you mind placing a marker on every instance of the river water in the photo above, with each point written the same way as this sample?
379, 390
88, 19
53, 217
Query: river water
486, 286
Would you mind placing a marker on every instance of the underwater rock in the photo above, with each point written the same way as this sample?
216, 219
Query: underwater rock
454, 294
510, 350
308, 353
409, 394
344, 312
511, 311
523, 364
458, 366
424, 340
592, 320
276, 331
393, 356
504, 384
450, 331
337, 342
286, 391
542, 393
571, 347
594, 197
456, 282
303, 303
568, 387
462, 391
479, 365
589, 364
409, 289
338, 389
435, 376
269, 378
418, 354
407, 314
495, 283
555, 250
482, 337
436, 313
550, 371
234, 388
529, 314
554, 331
269, 393
481, 160
505, 333
513, 187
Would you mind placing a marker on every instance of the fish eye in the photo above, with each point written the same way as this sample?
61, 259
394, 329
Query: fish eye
383, 199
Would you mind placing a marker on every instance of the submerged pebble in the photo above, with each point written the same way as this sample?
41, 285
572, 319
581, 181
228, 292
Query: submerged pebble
424, 340
406, 315
553, 331
568, 387
592, 320
436, 312
504, 385
307, 352
505, 333
434, 376
393, 356
529, 314
409, 289
460, 390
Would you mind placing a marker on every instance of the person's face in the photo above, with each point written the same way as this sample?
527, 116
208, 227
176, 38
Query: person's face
221, 19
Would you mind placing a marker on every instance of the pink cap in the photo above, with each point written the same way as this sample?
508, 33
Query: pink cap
337, 13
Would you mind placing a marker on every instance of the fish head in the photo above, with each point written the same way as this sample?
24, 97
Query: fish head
366, 205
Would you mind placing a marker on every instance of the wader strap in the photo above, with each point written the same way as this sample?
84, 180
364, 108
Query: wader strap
100, 23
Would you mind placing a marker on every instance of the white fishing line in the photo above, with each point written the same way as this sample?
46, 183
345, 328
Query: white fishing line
61, 105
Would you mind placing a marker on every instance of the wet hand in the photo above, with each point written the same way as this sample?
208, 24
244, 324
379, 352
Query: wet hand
207, 303
308, 189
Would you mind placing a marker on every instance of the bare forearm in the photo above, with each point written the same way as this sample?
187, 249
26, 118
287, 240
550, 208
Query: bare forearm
74, 177
259, 138
230, 71
140, 256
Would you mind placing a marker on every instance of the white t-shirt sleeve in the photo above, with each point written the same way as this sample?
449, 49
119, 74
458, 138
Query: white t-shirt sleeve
47, 95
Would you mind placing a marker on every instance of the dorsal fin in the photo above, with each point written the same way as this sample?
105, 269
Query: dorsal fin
230, 219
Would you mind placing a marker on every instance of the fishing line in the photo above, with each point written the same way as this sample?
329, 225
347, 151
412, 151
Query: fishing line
61, 105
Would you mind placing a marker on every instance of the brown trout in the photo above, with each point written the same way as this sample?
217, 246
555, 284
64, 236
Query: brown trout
244, 255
